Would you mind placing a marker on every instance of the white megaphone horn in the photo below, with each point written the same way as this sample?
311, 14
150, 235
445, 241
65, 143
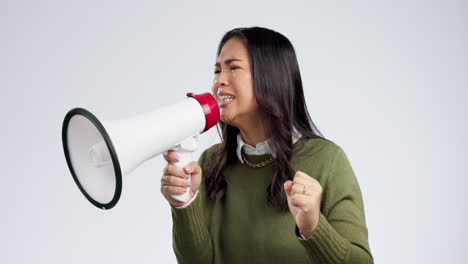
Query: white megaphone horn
100, 152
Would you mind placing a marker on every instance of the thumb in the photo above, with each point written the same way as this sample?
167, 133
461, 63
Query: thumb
194, 169
287, 188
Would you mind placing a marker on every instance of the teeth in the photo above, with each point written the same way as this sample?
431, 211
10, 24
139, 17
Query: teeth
225, 98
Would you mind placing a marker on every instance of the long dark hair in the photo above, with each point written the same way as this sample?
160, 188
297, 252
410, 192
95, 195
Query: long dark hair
279, 94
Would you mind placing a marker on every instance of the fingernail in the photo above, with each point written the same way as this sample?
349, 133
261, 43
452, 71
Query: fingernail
175, 157
188, 169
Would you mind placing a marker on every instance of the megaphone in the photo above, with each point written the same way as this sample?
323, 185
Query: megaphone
100, 152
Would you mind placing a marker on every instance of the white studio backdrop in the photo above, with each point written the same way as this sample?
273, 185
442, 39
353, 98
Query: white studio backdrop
385, 80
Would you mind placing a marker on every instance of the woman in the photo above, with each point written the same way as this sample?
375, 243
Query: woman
274, 190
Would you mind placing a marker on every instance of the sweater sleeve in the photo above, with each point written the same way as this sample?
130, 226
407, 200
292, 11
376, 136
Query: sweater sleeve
191, 240
341, 235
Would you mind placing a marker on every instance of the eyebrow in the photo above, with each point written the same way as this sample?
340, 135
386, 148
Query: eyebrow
228, 61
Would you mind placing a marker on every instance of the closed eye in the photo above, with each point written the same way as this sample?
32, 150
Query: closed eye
217, 71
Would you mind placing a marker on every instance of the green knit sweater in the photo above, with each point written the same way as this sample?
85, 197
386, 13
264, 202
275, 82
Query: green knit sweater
242, 228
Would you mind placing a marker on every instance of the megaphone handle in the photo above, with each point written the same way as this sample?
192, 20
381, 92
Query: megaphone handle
185, 157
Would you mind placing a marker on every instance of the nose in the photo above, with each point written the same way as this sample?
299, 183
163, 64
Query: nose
222, 79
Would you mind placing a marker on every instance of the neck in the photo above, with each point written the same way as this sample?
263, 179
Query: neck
253, 134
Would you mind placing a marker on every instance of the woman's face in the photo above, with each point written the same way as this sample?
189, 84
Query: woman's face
233, 85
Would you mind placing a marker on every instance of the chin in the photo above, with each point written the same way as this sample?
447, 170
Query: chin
227, 120
224, 116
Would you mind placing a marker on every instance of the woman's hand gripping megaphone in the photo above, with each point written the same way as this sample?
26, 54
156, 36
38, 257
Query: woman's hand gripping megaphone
181, 176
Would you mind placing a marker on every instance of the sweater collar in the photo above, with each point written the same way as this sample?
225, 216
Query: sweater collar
261, 148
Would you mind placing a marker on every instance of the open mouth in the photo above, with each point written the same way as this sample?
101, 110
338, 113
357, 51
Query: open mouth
225, 98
